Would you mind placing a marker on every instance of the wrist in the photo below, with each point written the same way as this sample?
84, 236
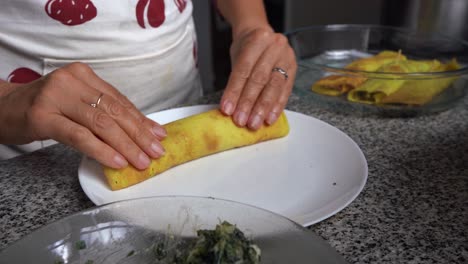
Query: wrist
238, 31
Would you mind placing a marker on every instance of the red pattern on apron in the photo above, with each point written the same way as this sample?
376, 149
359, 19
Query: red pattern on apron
181, 4
71, 12
23, 75
154, 13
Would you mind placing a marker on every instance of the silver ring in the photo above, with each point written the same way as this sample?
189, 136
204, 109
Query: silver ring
98, 101
280, 70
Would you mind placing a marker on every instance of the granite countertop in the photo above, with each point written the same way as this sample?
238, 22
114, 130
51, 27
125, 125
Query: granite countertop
413, 209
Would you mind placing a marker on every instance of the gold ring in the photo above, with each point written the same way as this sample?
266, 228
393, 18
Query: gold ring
98, 101
280, 70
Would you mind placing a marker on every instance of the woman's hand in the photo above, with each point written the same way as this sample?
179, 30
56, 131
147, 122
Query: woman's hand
58, 106
257, 91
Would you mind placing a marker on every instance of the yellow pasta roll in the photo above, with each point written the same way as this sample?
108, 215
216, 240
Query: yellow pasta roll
194, 137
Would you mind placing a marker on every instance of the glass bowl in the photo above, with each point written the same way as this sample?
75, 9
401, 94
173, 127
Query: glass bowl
421, 73
122, 232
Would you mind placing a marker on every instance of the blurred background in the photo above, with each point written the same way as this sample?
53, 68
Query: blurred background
449, 17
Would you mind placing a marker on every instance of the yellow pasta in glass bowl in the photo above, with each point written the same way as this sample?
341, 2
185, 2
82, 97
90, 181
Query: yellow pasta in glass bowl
379, 70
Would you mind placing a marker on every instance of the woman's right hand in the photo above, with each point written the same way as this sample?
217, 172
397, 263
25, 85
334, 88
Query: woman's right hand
58, 106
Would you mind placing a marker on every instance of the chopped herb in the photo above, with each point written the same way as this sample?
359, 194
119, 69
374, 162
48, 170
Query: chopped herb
131, 253
226, 244
80, 245
160, 251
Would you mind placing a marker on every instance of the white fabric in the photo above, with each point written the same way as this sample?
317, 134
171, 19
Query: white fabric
154, 67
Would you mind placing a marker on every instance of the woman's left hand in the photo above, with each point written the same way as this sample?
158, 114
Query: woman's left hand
263, 72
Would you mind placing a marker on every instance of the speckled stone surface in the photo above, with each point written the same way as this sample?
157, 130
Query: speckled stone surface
413, 209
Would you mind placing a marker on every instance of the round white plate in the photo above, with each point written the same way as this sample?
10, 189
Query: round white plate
307, 176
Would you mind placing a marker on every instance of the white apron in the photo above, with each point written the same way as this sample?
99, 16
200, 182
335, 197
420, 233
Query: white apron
144, 48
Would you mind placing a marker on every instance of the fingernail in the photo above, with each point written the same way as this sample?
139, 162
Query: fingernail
143, 160
241, 118
159, 131
228, 107
120, 161
255, 122
156, 147
271, 118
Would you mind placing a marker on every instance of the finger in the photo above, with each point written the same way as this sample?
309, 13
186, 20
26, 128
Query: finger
70, 133
84, 73
132, 126
269, 97
242, 68
100, 123
278, 106
256, 83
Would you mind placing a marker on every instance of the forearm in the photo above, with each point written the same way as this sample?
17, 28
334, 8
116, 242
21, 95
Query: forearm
8, 111
243, 15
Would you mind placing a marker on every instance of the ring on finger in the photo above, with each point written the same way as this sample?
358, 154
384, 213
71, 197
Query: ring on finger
97, 101
282, 71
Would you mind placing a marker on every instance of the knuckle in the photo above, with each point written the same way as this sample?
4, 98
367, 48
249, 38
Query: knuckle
80, 67
140, 119
102, 121
260, 77
78, 135
130, 147
59, 76
232, 94
281, 39
257, 37
115, 109
261, 35
147, 124
126, 102
138, 134
242, 70
246, 103
262, 107
125, 147
267, 101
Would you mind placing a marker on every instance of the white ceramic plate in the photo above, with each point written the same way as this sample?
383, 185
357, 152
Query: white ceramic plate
307, 176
